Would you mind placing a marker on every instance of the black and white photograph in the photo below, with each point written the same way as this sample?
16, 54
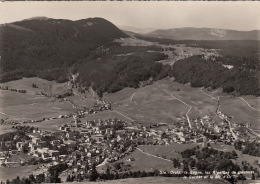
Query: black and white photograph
130, 92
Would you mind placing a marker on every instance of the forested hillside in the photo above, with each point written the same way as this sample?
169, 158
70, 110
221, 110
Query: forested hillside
199, 71
48, 47
111, 73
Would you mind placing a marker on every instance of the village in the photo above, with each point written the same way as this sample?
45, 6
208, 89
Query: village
81, 144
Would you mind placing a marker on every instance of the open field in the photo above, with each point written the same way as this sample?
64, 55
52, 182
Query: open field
51, 125
240, 111
23, 171
20, 157
37, 111
86, 99
42, 84
167, 101
222, 147
120, 96
81, 102
253, 101
144, 162
47, 125
33, 107
170, 151
108, 114
29, 106
153, 104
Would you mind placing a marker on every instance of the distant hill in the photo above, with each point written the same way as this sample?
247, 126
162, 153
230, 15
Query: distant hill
189, 33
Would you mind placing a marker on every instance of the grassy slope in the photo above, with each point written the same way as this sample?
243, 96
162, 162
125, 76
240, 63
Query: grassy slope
144, 162
30, 105
152, 104
26, 106
162, 180
8, 173
170, 151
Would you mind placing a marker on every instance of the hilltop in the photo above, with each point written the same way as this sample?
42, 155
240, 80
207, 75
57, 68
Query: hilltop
44, 43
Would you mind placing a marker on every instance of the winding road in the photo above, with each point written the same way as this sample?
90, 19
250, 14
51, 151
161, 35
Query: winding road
248, 104
123, 115
125, 100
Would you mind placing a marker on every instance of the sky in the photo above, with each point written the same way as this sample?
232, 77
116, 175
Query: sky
143, 14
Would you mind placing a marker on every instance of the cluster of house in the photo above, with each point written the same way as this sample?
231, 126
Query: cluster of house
103, 141
206, 128
39, 148
100, 105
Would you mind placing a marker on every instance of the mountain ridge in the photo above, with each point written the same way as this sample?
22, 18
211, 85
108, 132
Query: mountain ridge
204, 33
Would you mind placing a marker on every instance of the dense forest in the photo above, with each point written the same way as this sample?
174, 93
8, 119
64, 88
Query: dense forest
112, 73
200, 72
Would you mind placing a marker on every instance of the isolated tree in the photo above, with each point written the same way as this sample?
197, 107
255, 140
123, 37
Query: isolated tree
93, 173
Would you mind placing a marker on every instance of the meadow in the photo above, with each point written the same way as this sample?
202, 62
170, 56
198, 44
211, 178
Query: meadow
29, 105
166, 101
169, 151
144, 162
240, 111
23, 171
